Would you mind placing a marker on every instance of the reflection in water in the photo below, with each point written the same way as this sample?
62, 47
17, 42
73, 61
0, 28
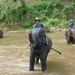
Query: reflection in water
14, 55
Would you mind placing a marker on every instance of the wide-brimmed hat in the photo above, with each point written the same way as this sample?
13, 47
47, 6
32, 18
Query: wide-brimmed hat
71, 20
37, 19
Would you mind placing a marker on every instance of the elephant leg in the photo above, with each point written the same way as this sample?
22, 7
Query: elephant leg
36, 60
43, 63
32, 61
73, 41
68, 40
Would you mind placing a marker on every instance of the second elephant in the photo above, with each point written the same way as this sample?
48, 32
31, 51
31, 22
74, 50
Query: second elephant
70, 36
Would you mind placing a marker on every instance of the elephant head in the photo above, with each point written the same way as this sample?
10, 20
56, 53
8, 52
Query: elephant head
70, 35
37, 37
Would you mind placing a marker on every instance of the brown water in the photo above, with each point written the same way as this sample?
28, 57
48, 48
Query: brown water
14, 55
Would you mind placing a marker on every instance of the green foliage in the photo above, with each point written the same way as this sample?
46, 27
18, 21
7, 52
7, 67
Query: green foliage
51, 12
14, 0
53, 23
69, 11
26, 24
40, 6
13, 14
50, 8
58, 5
64, 17
44, 10
56, 13
3, 11
22, 3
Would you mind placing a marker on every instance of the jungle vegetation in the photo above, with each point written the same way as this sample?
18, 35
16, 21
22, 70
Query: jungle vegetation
20, 14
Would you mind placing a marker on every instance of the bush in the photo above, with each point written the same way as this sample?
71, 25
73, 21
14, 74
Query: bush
53, 23
24, 15
56, 13
69, 11
26, 24
50, 8
58, 5
40, 6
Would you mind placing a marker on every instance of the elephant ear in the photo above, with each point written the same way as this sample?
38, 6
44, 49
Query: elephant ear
44, 38
30, 37
73, 32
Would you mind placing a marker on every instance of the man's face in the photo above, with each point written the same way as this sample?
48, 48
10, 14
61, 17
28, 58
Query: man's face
37, 22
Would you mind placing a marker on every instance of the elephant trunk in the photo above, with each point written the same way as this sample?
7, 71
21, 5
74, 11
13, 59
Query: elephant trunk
37, 44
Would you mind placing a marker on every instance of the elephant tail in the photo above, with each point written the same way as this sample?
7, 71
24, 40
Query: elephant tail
56, 50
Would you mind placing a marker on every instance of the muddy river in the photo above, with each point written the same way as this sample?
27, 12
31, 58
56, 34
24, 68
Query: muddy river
14, 55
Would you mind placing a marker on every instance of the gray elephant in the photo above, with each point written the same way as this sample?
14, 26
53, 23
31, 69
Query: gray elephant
1, 33
70, 36
38, 48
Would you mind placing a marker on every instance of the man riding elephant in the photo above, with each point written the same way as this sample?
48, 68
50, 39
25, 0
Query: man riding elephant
70, 33
38, 24
40, 46
71, 25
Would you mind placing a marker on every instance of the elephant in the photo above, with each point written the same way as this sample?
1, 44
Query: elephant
70, 36
38, 48
1, 33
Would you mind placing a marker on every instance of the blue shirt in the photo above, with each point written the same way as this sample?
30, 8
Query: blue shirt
38, 25
71, 25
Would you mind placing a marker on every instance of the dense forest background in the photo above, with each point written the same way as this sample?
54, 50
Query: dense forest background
20, 14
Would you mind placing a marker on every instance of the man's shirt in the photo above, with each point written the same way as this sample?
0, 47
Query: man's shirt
71, 25
38, 25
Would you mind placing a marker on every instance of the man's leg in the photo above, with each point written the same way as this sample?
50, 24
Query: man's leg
46, 40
